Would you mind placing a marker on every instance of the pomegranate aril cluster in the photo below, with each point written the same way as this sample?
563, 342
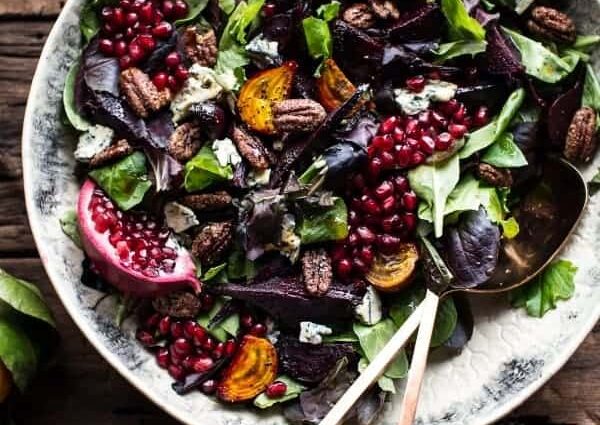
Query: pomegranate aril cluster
138, 240
173, 74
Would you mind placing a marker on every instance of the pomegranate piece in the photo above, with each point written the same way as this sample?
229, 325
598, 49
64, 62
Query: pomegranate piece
276, 390
130, 250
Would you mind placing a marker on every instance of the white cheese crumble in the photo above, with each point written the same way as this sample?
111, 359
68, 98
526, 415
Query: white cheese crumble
290, 241
179, 217
266, 49
226, 152
312, 333
202, 84
94, 140
412, 103
259, 177
369, 311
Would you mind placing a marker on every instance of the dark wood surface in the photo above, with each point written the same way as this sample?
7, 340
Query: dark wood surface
81, 388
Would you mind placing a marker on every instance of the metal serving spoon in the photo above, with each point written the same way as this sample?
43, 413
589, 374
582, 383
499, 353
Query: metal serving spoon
547, 216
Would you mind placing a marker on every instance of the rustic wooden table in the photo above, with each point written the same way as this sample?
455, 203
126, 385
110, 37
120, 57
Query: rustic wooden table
81, 387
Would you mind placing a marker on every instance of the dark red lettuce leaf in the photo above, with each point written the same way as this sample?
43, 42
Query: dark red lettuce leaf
100, 73
422, 23
502, 57
356, 52
398, 62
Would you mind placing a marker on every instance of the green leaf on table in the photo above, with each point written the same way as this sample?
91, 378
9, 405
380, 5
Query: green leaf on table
488, 134
75, 119
204, 169
591, 90
294, 389
70, 227
329, 11
541, 62
195, 8
433, 184
372, 339
461, 26
323, 223
385, 383
504, 153
18, 353
126, 181
454, 49
223, 330
556, 282
24, 298
318, 37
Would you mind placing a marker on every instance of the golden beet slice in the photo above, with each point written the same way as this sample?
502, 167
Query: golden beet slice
260, 92
333, 88
5, 382
390, 273
252, 369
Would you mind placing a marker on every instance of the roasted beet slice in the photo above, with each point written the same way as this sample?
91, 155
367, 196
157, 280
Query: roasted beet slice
398, 62
309, 363
356, 52
502, 57
285, 299
422, 23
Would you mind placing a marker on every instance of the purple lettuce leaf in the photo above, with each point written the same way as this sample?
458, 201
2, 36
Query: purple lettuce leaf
502, 57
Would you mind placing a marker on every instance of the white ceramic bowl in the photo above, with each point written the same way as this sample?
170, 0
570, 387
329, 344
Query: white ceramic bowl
509, 357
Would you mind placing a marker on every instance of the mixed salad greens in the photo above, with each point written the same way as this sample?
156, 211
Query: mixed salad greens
276, 183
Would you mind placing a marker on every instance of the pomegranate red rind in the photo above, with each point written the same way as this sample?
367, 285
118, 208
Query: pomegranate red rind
129, 251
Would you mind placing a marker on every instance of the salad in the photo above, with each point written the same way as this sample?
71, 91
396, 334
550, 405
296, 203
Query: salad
271, 186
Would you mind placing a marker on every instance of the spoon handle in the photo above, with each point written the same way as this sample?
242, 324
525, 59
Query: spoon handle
419, 360
374, 370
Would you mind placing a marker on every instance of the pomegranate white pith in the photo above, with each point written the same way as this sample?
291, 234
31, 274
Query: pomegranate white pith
130, 251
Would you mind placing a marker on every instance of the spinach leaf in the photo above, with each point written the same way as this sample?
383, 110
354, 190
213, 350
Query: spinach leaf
497, 211
464, 197
372, 340
318, 37
488, 134
238, 266
240, 20
321, 223
126, 181
76, 120
591, 90
204, 169
329, 11
70, 227
541, 62
504, 153
385, 383
227, 6
89, 22
433, 184
294, 388
454, 49
195, 8
213, 272
17, 353
461, 26
555, 283
224, 329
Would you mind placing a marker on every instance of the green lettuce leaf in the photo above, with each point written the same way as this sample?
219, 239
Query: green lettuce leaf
464, 197
126, 181
454, 49
318, 37
89, 21
497, 211
385, 383
204, 169
504, 153
223, 330
321, 224
227, 6
244, 15
372, 339
70, 227
329, 11
239, 267
213, 272
461, 26
75, 119
591, 90
195, 8
294, 389
556, 282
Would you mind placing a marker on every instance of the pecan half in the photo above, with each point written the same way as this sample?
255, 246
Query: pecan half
178, 304
207, 201
112, 153
185, 142
385, 9
200, 48
251, 148
141, 93
316, 271
297, 115
581, 137
211, 242
359, 15
499, 177
551, 24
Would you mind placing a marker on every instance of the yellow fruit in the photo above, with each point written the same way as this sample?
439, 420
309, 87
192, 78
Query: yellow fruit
5, 382
390, 273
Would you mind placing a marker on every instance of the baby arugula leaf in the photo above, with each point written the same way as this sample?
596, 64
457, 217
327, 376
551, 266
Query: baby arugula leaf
461, 25
372, 340
294, 389
555, 283
454, 49
591, 90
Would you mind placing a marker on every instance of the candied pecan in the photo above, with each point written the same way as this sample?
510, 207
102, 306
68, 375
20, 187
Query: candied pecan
141, 93
185, 142
200, 48
178, 304
316, 271
385, 9
211, 242
116, 151
359, 15
551, 24
297, 115
581, 137
207, 201
251, 148
499, 177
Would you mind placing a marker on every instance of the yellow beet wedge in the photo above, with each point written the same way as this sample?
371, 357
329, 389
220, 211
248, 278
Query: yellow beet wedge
252, 369
5, 382
390, 273
333, 88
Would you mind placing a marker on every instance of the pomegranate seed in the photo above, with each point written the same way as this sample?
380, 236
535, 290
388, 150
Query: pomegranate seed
106, 46
151, 323
276, 390
217, 353
388, 244
108, 29
401, 184
410, 221
359, 265
438, 120
146, 13
388, 205
398, 134
371, 151
208, 301
120, 48
176, 330
365, 234
182, 347
353, 239
387, 160
369, 205
167, 8
164, 326
177, 372
247, 321
162, 357
188, 328
181, 9
388, 125
412, 128
383, 143
136, 52
374, 167
449, 108
122, 250
202, 364
181, 73
416, 84
131, 18
424, 118
443, 141
259, 330
457, 131
385, 189
172, 60
118, 17
230, 347
208, 344
391, 223
426, 145
409, 201
126, 4
145, 337
402, 155
146, 42
417, 158
353, 218
460, 114
162, 29
359, 181
481, 116
106, 13
173, 83
125, 62
209, 387
366, 254
160, 80
269, 9
199, 336
344, 268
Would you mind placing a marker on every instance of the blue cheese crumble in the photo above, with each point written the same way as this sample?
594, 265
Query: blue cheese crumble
312, 333
179, 217
226, 152
370, 310
412, 103
94, 140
